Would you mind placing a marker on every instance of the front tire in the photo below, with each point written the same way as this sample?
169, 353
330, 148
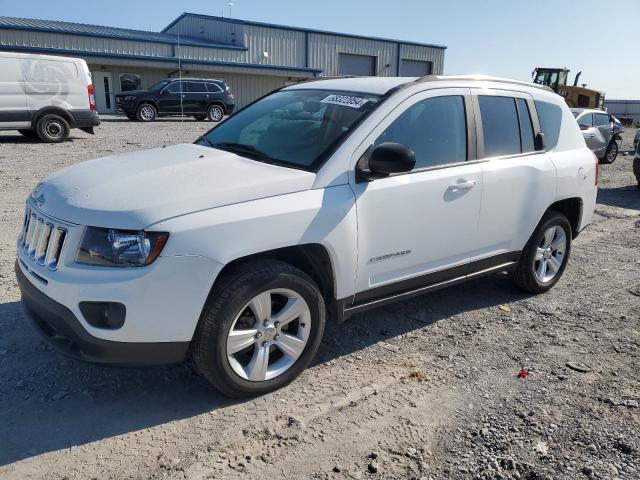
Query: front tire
215, 113
611, 154
260, 328
146, 112
546, 254
52, 128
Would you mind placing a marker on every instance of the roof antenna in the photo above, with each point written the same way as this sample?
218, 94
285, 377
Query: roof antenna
231, 4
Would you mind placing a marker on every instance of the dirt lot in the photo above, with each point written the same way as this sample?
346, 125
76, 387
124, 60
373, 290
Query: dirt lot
423, 389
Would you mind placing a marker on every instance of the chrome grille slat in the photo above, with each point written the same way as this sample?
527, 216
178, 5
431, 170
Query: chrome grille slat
42, 240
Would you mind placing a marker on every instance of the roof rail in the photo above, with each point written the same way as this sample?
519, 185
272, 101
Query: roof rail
481, 78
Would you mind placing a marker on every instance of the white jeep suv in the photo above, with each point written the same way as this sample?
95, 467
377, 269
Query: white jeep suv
318, 201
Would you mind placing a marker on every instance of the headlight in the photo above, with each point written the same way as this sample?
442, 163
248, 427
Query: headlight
128, 98
120, 248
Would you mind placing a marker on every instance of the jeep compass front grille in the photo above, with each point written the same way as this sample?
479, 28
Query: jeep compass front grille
42, 239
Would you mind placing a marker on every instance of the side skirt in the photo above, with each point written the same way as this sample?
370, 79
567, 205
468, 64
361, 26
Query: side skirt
428, 283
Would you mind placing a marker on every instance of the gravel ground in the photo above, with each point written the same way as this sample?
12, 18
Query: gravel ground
425, 389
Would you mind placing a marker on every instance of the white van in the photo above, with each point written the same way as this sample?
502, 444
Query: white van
46, 96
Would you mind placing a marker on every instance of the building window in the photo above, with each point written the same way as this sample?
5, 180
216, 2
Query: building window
130, 81
358, 65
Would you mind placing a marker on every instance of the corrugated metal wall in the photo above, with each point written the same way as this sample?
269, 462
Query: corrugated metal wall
624, 109
324, 49
426, 54
23, 38
288, 47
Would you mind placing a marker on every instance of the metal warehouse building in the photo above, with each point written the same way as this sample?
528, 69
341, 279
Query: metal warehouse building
624, 109
253, 58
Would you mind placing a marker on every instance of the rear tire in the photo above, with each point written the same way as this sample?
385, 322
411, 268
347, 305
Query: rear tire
52, 128
215, 113
146, 112
611, 154
275, 305
545, 255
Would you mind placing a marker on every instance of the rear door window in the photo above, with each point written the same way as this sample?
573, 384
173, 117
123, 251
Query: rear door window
500, 125
196, 87
550, 117
602, 119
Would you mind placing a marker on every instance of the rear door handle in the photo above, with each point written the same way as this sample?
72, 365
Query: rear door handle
464, 185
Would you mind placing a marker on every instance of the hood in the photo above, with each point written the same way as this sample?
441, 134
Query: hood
135, 190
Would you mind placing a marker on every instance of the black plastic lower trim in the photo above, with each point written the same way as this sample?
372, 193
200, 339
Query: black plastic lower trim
85, 118
421, 285
59, 327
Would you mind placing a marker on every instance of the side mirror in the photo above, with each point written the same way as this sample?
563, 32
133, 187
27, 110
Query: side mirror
388, 158
584, 127
538, 142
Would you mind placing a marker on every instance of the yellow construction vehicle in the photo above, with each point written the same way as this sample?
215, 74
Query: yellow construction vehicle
575, 96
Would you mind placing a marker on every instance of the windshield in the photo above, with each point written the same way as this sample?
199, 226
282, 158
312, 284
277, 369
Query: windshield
296, 128
158, 85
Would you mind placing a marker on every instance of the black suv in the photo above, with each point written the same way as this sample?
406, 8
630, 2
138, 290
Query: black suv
202, 98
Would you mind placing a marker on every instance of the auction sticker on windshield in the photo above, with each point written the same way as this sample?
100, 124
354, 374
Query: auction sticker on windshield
345, 101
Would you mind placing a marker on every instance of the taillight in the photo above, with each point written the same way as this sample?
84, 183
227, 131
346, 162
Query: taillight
92, 97
597, 169
230, 96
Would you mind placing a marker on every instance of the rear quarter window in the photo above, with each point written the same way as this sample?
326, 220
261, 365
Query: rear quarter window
550, 117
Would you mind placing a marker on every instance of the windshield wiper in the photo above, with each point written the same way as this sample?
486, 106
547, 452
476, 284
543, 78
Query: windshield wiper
241, 149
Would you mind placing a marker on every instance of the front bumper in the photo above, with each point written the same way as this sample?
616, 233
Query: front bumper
59, 327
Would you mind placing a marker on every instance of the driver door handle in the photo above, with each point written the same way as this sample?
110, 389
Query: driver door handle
464, 185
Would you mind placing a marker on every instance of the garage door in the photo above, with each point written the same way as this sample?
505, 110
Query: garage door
414, 68
359, 65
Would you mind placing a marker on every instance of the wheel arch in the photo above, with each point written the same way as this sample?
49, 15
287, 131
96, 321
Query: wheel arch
572, 209
220, 103
151, 101
311, 258
52, 110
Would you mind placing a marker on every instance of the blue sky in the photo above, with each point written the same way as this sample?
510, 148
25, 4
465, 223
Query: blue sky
495, 37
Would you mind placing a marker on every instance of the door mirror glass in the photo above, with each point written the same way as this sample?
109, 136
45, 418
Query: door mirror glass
165, 92
388, 158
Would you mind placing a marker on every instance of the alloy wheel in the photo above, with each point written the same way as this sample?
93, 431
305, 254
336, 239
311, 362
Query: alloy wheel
147, 113
268, 335
550, 254
216, 113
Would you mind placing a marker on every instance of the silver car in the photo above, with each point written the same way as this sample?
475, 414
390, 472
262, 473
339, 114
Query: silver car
598, 129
